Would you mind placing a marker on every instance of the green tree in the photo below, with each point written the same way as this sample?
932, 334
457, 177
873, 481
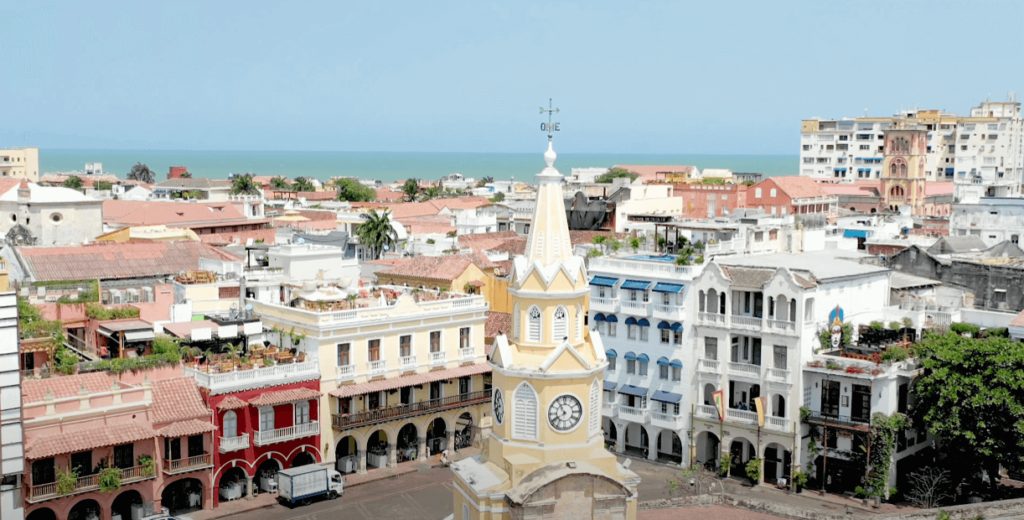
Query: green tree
303, 184
634, 244
432, 193
376, 232
242, 184
484, 181
411, 189
352, 191
279, 183
498, 197
186, 175
74, 182
616, 173
140, 172
599, 241
972, 396
103, 185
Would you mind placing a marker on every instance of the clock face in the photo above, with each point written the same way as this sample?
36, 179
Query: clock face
498, 404
565, 413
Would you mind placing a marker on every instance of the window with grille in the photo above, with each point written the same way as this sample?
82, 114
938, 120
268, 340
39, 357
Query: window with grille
560, 325
594, 419
435, 341
611, 364
677, 373
524, 414
612, 327
665, 335
124, 456
630, 366
533, 325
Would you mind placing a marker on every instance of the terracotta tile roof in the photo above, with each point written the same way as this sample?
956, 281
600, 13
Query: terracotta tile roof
866, 189
585, 237
444, 267
746, 277
505, 266
512, 246
8, 184
268, 236
285, 396
173, 214
1018, 321
650, 172
429, 207
410, 380
34, 390
82, 439
319, 214
797, 186
88, 181
387, 195
486, 241
231, 403
113, 260
497, 323
428, 224
938, 188
186, 428
190, 183
177, 399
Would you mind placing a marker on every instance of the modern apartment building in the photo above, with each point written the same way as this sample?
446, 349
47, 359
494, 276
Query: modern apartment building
403, 370
12, 446
993, 219
982, 152
20, 163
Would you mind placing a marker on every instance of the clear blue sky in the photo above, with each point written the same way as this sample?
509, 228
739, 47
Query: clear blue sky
678, 77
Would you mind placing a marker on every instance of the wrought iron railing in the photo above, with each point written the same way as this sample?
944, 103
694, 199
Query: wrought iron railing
346, 421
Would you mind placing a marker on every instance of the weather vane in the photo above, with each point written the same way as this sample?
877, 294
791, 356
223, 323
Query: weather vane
550, 127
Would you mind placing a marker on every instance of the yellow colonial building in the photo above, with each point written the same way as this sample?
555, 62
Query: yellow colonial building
544, 456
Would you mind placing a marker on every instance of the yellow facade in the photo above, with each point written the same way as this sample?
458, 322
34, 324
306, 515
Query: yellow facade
494, 289
159, 233
545, 455
20, 163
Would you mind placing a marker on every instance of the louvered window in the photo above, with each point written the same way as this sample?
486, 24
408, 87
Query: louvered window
557, 246
540, 243
524, 418
595, 406
533, 325
579, 323
560, 327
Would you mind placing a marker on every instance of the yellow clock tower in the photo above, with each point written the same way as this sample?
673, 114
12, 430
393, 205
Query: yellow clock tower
545, 455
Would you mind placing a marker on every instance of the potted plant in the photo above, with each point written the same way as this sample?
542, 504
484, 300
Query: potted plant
66, 481
148, 468
267, 362
754, 471
726, 464
110, 480
799, 480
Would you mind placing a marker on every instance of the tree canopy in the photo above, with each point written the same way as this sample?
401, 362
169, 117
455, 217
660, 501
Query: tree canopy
279, 183
484, 181
303, 184
972, 396
242, 184
140, 172
376, 233
616, 173
498, 197
74, 182
352, 191
411, 189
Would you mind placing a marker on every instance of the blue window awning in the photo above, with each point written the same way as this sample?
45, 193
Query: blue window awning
599, 317
611, 353
643, 358
949, 171
643, 322
666, 397
630, 356
630, 321
635, 391
855, 233
636, 285
663, 361
676, 363
667, 287
664, 326
677, 326
604, 281
611, 318
608, 385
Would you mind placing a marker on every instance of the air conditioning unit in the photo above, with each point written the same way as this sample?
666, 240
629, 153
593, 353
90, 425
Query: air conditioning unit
147, 294
105, 298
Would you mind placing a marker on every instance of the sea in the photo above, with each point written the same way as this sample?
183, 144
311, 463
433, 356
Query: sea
389, 166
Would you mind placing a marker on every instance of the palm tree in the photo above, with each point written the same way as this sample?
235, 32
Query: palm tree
185, 175
242, 184
303, 184
376, 233
140, 172
599, 240
411, 189
279, 183
484, 181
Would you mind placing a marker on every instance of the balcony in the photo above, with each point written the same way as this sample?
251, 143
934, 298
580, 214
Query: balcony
745, 371
633, 414
394, 413
712, 319
709, 366
84, 484
636, 308
372, 313
741, 416
345, 372
408, 363
782, 327
243, 379
263, 438
228, 444
862, 423
777, 374
467, 354
660, 269
667, 420
437, 358
669, 312
776, 423
377, 368
706, 411
173, 467
608, 409
604, 304
745, 322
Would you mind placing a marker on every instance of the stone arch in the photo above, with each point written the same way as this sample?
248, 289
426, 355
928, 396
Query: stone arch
778, 405
742, 450
781, 308
303, 458
637, 437
377, 448
84, 509
610, 431
778, 463
42, 513
123, 502
708, 448
709, 390
407, 441
346, 454
183, 495
669, 446
464, 430
266, 470
235, 477
309, 448
436, 434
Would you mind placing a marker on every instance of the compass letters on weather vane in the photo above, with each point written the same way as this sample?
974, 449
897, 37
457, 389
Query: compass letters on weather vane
549, 127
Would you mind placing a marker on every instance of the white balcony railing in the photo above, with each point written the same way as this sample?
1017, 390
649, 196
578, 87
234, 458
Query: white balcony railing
667, 420
707, 411
608, 409
633, 414
742, 416
636, 308
777, 423
346, 372
777, 374
437, 358
710, 318
234, 443
408, 362
671, 312
747, 322
467, 354
265, 437
657, 268
745, 370
368, 314
378, 367
604, 304
709, 366
255, 377
785, 327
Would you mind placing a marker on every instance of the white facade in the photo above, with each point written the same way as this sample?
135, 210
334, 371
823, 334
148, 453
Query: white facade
995, 220
982, 153
471, 221
51, 216
309, 261
12, 451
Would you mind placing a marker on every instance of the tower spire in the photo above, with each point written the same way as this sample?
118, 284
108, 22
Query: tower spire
548, 242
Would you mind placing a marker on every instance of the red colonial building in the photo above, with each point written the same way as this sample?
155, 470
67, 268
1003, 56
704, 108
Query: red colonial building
267, 420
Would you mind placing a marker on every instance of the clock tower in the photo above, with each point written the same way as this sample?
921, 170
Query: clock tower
545, 455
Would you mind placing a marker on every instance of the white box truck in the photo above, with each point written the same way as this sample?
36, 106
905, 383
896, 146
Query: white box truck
302, 484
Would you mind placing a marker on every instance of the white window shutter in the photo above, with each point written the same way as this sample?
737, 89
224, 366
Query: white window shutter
595, 408
533, 321
515, 324
579, 323
560, 325
524, 419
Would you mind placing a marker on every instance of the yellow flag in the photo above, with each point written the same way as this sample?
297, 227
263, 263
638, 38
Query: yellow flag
760, 405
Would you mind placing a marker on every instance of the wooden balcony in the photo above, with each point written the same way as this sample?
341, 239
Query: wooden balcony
84, 484
392, 413
173, 467
839, 421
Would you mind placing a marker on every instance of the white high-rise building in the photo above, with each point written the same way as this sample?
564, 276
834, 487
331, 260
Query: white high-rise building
983, 153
